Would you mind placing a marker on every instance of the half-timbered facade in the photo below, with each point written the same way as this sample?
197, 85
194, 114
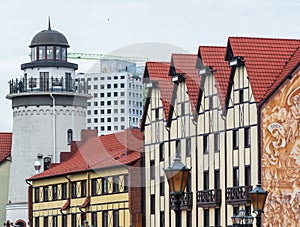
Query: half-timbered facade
211, 118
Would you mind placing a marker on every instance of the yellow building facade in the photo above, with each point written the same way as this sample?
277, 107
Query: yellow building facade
210, 120
95, 183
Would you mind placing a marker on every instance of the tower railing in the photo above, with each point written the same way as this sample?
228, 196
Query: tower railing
48, 84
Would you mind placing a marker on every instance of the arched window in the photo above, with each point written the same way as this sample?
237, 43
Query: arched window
47, 162
69, 136
20, 223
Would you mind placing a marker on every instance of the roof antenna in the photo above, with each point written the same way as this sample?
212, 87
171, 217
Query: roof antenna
49, 24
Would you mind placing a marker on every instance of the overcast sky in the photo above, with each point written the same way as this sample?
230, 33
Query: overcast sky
95, 26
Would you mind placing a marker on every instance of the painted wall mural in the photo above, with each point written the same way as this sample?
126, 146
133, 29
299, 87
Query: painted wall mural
281, 155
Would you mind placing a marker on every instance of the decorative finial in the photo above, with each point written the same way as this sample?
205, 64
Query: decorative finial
49, 24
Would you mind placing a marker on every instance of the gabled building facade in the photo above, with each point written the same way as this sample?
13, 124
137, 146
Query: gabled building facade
98, 182
219, 123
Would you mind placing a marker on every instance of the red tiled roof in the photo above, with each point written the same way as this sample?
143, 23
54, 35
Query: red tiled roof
290, 65
264, 58
159, 72
213, 56
5, 145
186, 64
100, 152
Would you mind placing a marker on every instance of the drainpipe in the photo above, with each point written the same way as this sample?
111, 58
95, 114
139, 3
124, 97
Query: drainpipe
225, 163
53, 127
196, 173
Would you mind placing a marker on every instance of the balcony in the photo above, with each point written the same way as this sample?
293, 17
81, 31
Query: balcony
186, 201
209, 198
238, 195
49, 84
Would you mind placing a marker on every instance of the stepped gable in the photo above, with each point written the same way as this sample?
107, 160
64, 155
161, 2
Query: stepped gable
185, 64
5, 145
159, 72
122, 148
265, 59
213, 56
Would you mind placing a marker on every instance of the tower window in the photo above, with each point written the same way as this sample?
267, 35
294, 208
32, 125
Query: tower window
47, 162
69, 136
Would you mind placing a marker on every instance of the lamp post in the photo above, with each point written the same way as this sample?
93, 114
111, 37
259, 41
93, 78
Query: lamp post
258, 199
177, 175
241, 219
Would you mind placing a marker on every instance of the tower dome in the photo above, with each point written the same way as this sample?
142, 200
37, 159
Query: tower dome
49, 37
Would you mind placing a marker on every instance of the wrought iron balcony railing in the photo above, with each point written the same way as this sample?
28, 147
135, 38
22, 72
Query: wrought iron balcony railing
52, 84
238, 195
186, 201
209, 198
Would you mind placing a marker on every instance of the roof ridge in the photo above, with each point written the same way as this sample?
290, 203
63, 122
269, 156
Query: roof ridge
266, 38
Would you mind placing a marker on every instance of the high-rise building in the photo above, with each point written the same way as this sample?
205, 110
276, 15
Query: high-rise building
49, 111
117, 96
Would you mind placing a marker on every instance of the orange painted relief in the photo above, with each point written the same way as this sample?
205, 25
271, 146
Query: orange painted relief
281, 155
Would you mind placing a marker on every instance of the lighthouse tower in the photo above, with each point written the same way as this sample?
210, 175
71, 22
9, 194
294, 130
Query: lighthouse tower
49, 111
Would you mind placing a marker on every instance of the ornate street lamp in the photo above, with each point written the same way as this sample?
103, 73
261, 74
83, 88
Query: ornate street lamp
177, 175
258, 199
241, 219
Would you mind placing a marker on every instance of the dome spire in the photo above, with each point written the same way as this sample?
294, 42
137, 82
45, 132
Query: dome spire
49, 23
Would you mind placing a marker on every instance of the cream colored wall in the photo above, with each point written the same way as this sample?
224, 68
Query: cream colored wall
103, 202
4, 179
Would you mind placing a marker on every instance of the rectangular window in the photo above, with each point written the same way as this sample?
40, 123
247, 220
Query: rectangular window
206, 180
217, 179
206, 218
241, 96
46, 222
104, 185
152, 204
162, 186
54, 221
54, 192
247, 176
211, 102
161, 152
217, 217
115, 218
109, 103
235, 176
205, 144
188, 147
217, 142
189, 220
152, 169
162, 219
102, 95
116, 184
73, 220
94, 219
126, 183
101, 103
115, 94
94, 187
36, 194
156, 114
109, 86
83, 188
74, 189
45, 193
36, 222
95, 103
64, 220
108, 94
95, 86
235, 137
178, 148
64, 191
247, 136
104, 219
